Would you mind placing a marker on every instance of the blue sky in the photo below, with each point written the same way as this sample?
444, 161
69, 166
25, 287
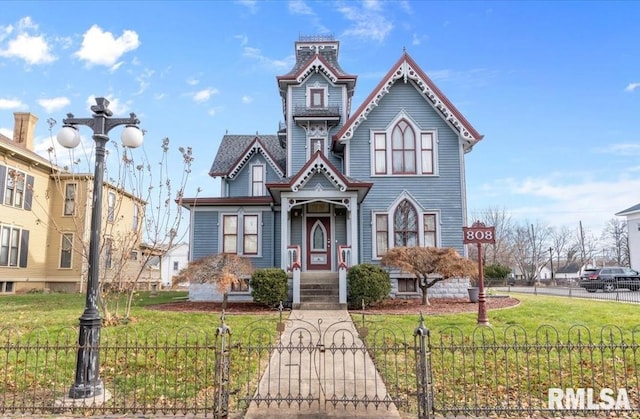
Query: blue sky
553, 86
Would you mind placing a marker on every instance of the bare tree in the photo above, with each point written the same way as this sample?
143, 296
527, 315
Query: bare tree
429, 265
501, 251
561, 241
143, 216
530, 246
615, 236
587, 245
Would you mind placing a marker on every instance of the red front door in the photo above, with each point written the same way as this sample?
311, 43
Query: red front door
318, 243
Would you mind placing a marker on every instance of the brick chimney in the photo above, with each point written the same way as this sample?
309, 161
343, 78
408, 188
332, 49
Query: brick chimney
23, 129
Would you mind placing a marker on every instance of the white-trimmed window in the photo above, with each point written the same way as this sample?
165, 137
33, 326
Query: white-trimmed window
403, 150
111, 206
230, 234
70, 199
241, 234
257, 180
407, 285
403, 225
317, 97
250, 236
242, 286
66, 250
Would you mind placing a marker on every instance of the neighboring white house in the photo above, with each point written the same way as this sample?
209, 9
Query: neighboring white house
173, 261
633, 231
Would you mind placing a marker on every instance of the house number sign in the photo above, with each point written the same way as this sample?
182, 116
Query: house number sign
479, 233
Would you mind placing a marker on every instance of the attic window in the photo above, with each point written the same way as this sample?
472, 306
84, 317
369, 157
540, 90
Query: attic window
316, 97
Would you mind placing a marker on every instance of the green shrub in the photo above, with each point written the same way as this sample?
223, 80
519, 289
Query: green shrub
269, 286
367, 282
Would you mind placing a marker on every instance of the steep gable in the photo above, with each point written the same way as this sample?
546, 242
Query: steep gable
236, 150
406, 69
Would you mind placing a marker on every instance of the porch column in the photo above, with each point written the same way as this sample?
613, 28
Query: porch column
284, 233
354, 240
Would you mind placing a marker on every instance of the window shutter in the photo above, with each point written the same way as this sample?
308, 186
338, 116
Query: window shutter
28, 194
24, 248
3, 175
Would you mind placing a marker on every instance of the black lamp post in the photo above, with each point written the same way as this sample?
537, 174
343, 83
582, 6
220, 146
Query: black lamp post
87, 378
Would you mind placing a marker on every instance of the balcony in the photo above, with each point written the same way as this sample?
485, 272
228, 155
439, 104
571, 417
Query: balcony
330, 114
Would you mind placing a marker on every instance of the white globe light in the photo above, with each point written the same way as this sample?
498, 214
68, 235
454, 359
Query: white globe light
131, 136
68, 137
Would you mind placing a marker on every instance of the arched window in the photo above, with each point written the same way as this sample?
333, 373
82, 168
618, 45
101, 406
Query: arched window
318, 235
405, 225
403, 145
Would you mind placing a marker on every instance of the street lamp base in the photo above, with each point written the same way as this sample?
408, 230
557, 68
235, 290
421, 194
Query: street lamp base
89, 401
83, 391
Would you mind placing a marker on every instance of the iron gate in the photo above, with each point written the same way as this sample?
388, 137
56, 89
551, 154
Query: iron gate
313, 367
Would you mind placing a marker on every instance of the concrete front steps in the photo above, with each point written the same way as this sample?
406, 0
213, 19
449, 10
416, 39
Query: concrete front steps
319, 291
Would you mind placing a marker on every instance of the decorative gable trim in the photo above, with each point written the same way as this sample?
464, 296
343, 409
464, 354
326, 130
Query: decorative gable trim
317, 65
318, 165
255, 147
406, 69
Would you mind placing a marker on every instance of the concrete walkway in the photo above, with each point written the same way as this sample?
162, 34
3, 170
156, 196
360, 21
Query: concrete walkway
320, 369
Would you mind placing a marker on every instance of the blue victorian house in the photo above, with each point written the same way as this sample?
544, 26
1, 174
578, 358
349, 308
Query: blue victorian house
335, 187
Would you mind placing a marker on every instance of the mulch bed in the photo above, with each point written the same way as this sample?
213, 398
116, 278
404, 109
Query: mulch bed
389, 306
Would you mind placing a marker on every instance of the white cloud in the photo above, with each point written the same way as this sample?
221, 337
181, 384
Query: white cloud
26, 23
191, 81
214, 111
143, 80
54, 104
369, 21
622, 149
32, 49
256, 54
299, 7
11, 104
244, 39
102, 48
204, 95
631, 87
251, 5
247, 99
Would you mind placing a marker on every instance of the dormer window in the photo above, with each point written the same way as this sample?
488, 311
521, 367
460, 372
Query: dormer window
257, 180
317, 98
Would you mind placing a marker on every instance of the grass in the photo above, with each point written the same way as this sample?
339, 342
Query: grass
167, 358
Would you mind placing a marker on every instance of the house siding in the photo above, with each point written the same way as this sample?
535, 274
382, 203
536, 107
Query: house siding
205, 241
441, 193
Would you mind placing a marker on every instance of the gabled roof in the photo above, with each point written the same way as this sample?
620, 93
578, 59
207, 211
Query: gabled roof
236, 150
407, 69
631, 210
316, 56
318, 163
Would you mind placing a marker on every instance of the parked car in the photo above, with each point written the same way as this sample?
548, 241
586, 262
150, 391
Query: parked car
610, 278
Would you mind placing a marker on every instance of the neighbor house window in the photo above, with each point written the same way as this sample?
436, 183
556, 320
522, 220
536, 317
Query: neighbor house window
69, 199
230, 234
176, 266
14, 188
250, 235
14, 246
111, 206
66, 249
136, 217
108, 253
257, 180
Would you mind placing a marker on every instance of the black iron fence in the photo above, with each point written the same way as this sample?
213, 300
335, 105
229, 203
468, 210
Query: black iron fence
214, 373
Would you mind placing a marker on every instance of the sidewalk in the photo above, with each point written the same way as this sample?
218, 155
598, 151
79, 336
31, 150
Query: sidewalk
311, 378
